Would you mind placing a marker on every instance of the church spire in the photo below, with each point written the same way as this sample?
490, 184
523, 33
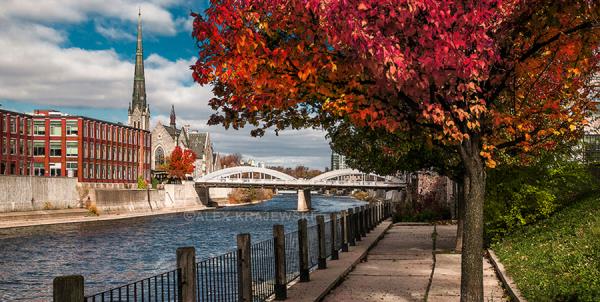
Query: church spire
173, 124
139, 85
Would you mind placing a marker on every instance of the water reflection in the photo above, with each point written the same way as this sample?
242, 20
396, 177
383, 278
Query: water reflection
112, 253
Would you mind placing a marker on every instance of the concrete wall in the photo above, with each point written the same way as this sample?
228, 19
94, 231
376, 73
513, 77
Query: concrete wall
120, 200
29, 193
182, 195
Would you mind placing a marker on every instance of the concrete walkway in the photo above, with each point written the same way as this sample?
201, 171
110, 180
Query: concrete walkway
400, 265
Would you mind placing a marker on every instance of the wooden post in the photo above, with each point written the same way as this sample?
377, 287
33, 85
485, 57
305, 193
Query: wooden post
244, 268
369, 213
322, 247
334, 237
303, 250
68, 289
344, 233
186, 261
351, 228
363, 219
280, 272
357, 224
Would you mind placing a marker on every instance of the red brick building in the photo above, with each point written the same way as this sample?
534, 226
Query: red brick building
50, 143
15, 143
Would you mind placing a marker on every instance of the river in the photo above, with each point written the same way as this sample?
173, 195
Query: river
113, 253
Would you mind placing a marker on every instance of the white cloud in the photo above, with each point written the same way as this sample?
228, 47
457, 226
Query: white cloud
114, 33
156, 16
35, 67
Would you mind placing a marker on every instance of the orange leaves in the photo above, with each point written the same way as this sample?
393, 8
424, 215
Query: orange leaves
180, 163
487, 154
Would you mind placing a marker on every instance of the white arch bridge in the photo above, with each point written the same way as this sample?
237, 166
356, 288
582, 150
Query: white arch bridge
256, 177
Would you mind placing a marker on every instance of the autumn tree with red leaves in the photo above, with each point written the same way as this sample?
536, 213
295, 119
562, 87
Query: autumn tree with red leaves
495, 81
180, 163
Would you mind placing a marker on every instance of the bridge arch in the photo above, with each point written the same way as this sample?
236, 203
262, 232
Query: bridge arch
235, 171
334, 174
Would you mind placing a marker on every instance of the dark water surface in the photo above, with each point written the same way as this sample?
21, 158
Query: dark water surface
113, 253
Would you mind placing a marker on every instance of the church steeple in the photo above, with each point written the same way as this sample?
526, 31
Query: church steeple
139, 111
173, 124
139, 81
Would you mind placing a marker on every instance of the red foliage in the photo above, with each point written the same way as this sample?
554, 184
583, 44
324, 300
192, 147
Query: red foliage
180, 163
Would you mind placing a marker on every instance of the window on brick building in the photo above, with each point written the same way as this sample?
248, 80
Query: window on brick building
13, 146
71, 169
13, 125
39, 128
72, 149
38, 169
55, 149
72, 128
55, 128
39, 148
55, 169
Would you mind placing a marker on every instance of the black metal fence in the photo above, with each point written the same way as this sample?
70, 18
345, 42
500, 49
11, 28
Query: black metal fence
162, 287
217, 278
221, 278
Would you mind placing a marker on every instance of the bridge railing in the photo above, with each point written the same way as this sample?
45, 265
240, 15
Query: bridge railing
253, 272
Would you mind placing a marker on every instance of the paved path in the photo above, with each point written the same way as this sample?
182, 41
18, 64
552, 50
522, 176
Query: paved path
399, 268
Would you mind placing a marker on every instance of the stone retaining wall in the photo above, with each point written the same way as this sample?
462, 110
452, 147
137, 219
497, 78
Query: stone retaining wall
30, 193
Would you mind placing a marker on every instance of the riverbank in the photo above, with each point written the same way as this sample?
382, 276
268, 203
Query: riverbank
55, 217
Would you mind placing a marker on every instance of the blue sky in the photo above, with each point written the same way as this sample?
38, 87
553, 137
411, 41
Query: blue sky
77, 56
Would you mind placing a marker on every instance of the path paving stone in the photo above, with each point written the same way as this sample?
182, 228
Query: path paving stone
398, 268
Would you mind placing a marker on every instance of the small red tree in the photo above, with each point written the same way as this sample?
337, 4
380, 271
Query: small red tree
180, 163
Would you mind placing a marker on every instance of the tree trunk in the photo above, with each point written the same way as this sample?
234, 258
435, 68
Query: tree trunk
472, 252
460, 200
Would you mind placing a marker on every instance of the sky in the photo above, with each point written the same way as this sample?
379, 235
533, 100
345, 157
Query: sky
77, 56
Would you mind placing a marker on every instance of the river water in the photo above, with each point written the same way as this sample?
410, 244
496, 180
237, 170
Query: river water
113, 253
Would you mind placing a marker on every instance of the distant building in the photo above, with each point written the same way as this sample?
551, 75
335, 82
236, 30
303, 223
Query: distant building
51, 143
338, 161
166, 138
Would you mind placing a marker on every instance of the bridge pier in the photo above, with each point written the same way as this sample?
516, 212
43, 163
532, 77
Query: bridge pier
304, 200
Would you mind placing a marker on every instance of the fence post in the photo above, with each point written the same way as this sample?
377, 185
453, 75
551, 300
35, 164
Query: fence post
321, 238
186, 261
344, 233
244, 268
334, 236
363, 220
357, 224
370, 217
280, 272
68, 289
351, 228
303, 250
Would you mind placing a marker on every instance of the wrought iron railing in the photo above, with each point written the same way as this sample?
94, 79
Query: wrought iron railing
217, 278
162, 287
263, 269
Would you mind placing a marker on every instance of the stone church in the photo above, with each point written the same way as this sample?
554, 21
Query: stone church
166, 137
